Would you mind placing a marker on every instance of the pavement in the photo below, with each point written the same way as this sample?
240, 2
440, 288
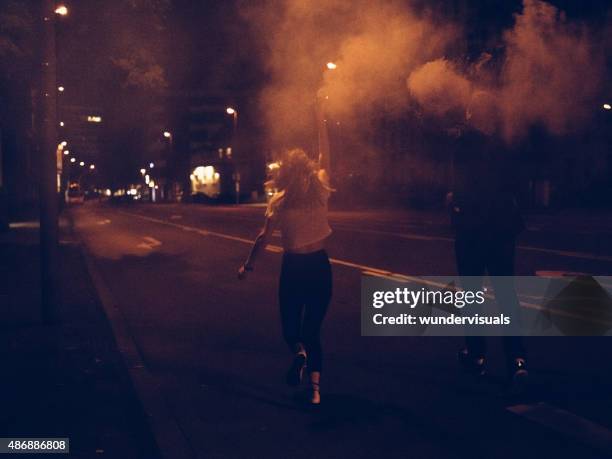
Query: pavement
211, 359
67, 379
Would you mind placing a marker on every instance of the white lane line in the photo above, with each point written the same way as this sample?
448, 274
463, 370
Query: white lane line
365, 269
567, 423
527, 248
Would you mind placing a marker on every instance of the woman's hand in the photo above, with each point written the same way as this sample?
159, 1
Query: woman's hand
243, 270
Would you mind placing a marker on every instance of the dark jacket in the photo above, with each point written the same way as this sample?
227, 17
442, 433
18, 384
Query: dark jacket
484, 186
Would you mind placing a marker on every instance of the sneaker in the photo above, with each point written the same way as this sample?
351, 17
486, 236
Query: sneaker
296, 370
471, 365
519, 375
315, 394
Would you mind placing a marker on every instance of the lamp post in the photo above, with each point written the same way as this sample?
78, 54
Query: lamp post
234, 113
48, 175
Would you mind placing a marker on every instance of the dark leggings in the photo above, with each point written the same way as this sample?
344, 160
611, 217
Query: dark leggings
304, 293
480, 251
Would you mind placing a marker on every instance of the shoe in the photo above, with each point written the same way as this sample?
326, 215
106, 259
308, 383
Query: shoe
315, 395
471, 365
296, 370
519, 376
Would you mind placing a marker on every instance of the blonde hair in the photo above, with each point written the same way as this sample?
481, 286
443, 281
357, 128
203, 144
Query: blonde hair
299, 181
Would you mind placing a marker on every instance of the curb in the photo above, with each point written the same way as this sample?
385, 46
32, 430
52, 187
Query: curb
170, 440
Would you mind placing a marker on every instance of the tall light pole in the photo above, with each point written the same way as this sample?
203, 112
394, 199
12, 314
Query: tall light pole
48, 174
232, 111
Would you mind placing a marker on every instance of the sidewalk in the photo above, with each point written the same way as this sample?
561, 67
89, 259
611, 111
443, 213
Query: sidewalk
66, 380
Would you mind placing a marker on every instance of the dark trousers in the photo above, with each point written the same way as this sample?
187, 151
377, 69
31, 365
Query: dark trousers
304, 293
478, 252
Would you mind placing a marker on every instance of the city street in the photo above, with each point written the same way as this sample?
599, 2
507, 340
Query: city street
213, 348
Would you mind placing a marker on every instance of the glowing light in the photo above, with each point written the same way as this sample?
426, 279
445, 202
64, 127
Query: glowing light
61, 88
143, 171
151, 165
206, 180
167, 134
61, 123
92, 167
94, 119
147, 179
62, 10
152, 184
273, 166
230, 110
66, 152
82, 163
331, 66
72, 160
64, 143
607, 107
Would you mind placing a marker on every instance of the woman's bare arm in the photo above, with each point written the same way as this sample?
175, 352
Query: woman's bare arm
324, 157
261, 241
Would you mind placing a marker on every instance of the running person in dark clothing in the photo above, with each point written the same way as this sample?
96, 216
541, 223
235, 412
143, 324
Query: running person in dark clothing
486, 220
299, 210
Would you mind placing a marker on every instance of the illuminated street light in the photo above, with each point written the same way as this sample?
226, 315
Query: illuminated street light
61, 123
167, 134
230, 110
66, 152
62, 10
82, 163
72, 160
61, 88
92, 167
64, 143
94, 119
151, 165
143, 171
607, 107
331, 66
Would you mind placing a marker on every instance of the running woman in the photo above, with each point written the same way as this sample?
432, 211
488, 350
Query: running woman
299, 210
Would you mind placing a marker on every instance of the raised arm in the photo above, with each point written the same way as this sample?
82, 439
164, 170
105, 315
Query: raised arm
324, 159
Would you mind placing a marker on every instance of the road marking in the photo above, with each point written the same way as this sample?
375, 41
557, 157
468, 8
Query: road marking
365, 269
528, 248
17, 225
567, 423
149, 244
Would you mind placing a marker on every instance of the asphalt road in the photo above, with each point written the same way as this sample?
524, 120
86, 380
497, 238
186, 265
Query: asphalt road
213, 345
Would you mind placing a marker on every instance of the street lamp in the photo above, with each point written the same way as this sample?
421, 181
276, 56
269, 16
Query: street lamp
151, 165
234, 112
167, 134
607, 107
61, 88
66, 152
92, 167
331, 66
82, 163
143, 171
72, 160
62, 10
